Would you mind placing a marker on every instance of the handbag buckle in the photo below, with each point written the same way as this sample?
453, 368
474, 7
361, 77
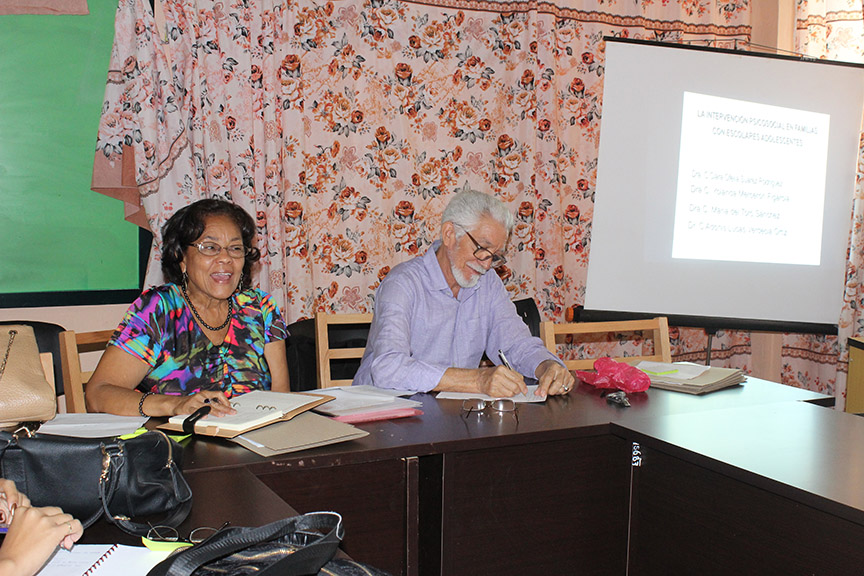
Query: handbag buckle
106, 461
28, 433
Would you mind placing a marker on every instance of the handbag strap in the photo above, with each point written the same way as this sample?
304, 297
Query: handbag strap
113, 460
12, 334
306, 560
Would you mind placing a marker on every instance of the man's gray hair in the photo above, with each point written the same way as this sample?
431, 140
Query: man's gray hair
467, 208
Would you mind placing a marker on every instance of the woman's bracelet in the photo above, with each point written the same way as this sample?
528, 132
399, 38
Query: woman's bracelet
141, 403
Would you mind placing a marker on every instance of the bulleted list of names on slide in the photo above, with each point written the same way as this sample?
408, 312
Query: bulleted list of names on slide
751, 182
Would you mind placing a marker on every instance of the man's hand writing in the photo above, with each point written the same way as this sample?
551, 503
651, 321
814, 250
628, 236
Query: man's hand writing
553, 378
501, 382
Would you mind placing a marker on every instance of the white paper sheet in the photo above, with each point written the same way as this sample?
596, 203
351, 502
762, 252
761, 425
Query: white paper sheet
91, 425
519, 398
677, 370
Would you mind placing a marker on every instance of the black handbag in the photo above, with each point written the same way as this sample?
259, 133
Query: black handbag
298, 546
87, 477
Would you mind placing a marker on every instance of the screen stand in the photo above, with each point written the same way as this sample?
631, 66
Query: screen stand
710, 332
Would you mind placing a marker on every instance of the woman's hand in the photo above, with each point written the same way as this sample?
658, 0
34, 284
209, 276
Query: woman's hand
10, 496
219, 405
33, 536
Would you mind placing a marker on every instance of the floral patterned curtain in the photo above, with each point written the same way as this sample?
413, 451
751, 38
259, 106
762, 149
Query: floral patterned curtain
345, 127
833, 29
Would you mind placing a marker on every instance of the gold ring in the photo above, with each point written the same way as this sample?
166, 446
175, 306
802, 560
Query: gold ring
70, 527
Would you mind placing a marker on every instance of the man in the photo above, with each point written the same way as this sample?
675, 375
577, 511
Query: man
437, 314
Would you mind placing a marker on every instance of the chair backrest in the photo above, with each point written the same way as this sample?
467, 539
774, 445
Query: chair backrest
301, 357
527, 309
656, 328
347, 341
72, 345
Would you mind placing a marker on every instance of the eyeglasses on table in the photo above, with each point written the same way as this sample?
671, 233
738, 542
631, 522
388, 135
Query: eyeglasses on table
502, 405
168, 535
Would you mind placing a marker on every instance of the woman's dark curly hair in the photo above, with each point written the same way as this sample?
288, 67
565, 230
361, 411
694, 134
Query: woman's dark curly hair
187, 225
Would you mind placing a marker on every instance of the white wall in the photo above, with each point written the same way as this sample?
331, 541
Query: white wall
78, 318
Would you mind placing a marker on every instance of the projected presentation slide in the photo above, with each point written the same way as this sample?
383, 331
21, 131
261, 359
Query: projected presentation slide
725, 182
751, 182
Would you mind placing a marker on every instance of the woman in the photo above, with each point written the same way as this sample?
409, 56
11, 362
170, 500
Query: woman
203, 337
34, 533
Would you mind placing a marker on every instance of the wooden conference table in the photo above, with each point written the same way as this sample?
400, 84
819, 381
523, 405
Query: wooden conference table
756, 479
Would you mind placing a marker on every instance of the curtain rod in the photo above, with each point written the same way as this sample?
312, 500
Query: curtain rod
736, 41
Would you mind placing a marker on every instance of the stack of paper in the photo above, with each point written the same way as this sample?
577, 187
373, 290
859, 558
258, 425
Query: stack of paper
92, 425
366, 403
690, 378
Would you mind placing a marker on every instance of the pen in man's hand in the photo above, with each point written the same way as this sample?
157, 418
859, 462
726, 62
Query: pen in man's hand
504, 360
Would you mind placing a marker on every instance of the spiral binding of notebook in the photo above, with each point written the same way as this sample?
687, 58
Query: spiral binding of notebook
99, 561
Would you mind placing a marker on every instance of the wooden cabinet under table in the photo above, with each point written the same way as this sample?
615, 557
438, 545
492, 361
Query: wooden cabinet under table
449, 494
556, 507
753, 490
372, 498
690, 519
479, 507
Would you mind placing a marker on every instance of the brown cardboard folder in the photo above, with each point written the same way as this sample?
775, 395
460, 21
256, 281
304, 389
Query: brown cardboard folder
307, 430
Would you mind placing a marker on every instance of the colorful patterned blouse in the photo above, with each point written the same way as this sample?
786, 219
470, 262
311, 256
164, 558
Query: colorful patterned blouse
160, 329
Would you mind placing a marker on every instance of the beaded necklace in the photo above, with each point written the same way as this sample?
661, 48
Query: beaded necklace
201, 320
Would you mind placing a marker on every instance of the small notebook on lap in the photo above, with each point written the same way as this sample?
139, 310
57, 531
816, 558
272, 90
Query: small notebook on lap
254, 410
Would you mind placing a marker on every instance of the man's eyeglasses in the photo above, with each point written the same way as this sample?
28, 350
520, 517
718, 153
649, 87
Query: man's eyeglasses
484, 254
212, 249
477, 405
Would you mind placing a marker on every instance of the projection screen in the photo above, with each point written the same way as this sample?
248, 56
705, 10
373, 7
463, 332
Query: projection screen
724, 186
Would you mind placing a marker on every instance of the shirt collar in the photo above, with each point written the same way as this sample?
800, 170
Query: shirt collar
436, 275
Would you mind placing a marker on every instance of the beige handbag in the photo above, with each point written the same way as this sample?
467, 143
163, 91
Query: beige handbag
25, 394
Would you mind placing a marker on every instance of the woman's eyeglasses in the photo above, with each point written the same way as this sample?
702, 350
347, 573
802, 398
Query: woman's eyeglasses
478, 405
169, 535
212, 249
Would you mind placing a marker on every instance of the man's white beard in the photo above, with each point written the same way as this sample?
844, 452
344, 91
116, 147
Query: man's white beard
465, 282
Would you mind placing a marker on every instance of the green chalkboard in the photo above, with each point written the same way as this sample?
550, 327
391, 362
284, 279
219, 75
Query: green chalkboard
60, 242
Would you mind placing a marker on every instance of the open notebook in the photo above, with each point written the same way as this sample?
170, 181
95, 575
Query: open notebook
254, 410
102, 560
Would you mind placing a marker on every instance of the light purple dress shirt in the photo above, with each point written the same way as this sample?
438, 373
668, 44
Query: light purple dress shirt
419, 329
